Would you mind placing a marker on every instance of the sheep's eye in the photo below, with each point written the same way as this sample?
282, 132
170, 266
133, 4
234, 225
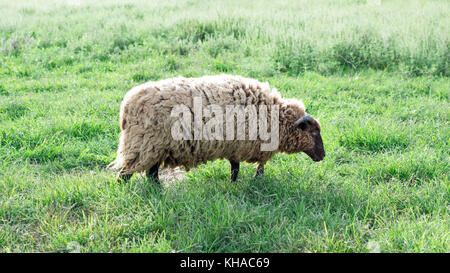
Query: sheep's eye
303, 126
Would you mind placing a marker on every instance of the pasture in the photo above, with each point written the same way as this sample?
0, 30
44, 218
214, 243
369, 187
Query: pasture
374, 73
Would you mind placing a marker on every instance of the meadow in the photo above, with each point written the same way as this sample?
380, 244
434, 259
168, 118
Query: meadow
375, 73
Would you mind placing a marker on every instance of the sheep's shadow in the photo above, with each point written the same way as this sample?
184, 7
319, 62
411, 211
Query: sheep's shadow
257, 191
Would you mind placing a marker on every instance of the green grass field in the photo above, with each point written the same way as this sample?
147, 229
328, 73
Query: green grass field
376, 76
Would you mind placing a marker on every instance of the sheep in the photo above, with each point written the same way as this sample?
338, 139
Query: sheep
147, 122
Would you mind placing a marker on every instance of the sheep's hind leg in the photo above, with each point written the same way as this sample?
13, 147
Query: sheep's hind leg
124, 177
234, 170
259, 171
152, 173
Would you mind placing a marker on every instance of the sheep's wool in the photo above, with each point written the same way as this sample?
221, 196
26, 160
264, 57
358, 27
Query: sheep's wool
146, 122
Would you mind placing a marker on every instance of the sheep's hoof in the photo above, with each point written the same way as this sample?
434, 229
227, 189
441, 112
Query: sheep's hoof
124, 177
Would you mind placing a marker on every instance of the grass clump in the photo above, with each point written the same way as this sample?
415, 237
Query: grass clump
373, 138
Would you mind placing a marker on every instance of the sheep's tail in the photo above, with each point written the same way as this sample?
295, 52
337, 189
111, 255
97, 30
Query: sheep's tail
119, 162
116, 164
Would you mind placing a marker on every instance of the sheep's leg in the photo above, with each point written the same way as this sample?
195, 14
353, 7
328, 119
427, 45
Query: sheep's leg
259, 171
123, 177
234, 170
153, 172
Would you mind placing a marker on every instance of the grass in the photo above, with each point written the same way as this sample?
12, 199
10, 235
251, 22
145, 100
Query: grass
376, 76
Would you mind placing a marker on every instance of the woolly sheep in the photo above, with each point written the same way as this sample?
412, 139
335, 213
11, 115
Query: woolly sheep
146, 122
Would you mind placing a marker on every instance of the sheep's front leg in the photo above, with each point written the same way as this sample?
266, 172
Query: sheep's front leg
153, 172
259, 171
234, 170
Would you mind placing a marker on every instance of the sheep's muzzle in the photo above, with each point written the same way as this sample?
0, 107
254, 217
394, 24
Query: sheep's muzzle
318, 152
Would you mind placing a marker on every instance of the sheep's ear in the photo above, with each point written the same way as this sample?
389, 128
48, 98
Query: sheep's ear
303, 122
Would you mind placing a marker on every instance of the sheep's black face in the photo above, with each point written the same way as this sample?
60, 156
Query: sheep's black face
318, 152
311, 132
